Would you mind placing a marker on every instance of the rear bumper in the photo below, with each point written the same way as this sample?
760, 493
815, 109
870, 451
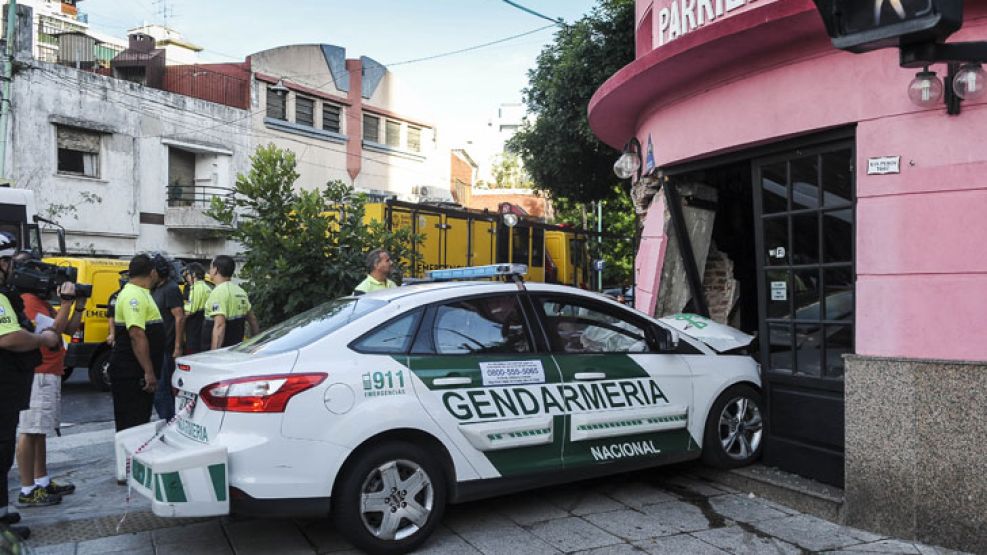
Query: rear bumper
305, 507
78, 355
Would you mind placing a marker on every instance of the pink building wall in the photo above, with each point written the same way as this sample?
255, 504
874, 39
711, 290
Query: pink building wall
769, 72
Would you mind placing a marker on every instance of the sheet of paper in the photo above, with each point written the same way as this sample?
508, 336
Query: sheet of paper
43, 322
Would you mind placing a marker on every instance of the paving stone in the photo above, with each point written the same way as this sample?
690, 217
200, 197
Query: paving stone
582, 503
884, 546
638, 495
461, 521
678, 515
323, 535
444, 542
261, 537
195, 549
57, 549
204, 532
694, 486
682, 544
113, 544
744, 509
493, 534
738, 541
619, 549
632, 525
573, 534
528, 509
814, 534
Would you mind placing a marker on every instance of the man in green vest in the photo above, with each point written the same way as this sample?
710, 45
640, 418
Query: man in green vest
228, 308
378, 270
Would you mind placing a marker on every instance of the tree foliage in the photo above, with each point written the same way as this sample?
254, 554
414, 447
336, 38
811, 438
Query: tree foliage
619, 227
509, 173
558, 148
302, 247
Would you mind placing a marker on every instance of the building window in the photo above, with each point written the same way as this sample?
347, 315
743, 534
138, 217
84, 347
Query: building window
181, 177
304, 111
392, 133
78, 151
330, 117
371, 128
414, 139
275, 104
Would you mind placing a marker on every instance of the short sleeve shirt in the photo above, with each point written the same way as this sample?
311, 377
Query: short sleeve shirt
52, 360
8, 319
370, 285
168, 296
136, 308
228, 299
198, 296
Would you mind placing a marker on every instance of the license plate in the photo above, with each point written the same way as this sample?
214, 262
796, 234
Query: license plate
185, 401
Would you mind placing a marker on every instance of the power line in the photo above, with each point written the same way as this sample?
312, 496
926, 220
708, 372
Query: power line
469, 48
555, 21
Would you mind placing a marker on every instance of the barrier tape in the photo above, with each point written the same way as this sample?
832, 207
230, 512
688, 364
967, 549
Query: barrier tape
187, 409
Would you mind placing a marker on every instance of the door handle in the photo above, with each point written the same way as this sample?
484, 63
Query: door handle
590, 376
452, 381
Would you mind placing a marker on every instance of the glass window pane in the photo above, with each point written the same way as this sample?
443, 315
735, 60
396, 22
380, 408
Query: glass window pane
392, 133
837, 178
371, 128
275, 104
839, 341
489, 326
414, 139
838, 293
780, 348
805, 182
311, 325
805, 238
537, 247
330, 117
519, 253
575, 327
304, 111
393, 338
806, 289
776, 248
808, 345
838, 235
774, 188
778, 293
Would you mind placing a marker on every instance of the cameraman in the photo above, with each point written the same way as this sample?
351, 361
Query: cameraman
44, 414
19, 356
139, 347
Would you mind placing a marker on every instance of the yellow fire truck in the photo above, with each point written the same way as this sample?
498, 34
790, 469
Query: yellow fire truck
453, 237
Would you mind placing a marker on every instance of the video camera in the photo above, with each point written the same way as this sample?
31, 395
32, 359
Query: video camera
43, 279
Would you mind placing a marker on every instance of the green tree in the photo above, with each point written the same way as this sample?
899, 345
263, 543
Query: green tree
302, 247
509, 173
559, 150
619, 227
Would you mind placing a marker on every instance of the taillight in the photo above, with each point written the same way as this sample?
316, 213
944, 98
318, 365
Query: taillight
185, 367
258, 393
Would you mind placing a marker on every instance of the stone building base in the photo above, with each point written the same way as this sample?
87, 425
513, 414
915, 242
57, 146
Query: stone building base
916, 450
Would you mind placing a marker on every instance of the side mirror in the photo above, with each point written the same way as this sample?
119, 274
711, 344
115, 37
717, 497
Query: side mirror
668, 339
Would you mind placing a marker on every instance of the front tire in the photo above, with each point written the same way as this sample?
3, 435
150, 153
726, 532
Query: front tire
390, 499
734, 428
99, 370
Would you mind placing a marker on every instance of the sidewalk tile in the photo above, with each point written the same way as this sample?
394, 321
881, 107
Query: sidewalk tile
632, 525
885, 546
695, 486
130, 543
582, 503
619, 549
573, 534
462, 519
444, 542
58, 549
195, 549
738, 541
494, 534
678, 515
323, 535
814, 534
682, 544
744, 509
260, 537
201, 533
638, 495
528, 509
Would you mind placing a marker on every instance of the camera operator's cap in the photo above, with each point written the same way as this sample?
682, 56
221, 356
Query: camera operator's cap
8, 244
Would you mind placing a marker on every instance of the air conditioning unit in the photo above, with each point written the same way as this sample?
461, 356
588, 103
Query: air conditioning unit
420, 190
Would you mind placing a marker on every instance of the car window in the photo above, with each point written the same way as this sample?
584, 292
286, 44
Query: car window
392, 338
298, 331
484, 325
577, 326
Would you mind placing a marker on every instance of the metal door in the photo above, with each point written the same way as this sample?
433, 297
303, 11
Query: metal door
804, 204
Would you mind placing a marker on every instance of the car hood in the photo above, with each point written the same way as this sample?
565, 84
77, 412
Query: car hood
719, 337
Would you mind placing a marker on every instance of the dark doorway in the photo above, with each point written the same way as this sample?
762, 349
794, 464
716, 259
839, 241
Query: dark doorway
804, 208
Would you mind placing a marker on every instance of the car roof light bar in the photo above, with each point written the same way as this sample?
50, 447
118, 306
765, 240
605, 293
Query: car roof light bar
475, 272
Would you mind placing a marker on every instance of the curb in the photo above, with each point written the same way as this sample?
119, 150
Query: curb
804, 495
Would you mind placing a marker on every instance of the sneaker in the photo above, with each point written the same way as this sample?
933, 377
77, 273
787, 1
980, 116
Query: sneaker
58, 489
10, 518
39, 497
22, 532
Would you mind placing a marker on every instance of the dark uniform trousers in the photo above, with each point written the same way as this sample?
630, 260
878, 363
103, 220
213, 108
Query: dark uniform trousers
16, 375
8, 442
131, 404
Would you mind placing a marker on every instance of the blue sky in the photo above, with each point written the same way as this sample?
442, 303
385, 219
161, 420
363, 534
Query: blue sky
466, 88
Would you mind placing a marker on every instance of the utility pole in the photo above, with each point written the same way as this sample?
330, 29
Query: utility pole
599, 240
8, 75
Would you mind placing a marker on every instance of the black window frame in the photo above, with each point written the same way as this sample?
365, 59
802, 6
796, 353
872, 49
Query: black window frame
424, 342
337, 112
418, 313
375, 138
299, 102
281, 104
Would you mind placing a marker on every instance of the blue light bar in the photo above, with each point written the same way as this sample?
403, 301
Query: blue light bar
475, 272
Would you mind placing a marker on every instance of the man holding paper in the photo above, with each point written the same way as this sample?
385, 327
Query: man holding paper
44, 413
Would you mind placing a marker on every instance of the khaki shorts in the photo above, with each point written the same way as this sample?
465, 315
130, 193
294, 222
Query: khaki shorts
45, 412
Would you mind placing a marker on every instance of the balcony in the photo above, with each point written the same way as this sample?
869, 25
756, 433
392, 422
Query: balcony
187, 207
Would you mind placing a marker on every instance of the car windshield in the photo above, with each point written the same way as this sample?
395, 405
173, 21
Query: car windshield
298, 331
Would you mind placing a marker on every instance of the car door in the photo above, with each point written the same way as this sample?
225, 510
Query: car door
482, 374
626, 400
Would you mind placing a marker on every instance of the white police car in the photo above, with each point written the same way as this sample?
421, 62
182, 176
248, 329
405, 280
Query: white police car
393, 404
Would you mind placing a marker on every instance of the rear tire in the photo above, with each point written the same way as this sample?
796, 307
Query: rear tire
405, 483
99, 370
734, 433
